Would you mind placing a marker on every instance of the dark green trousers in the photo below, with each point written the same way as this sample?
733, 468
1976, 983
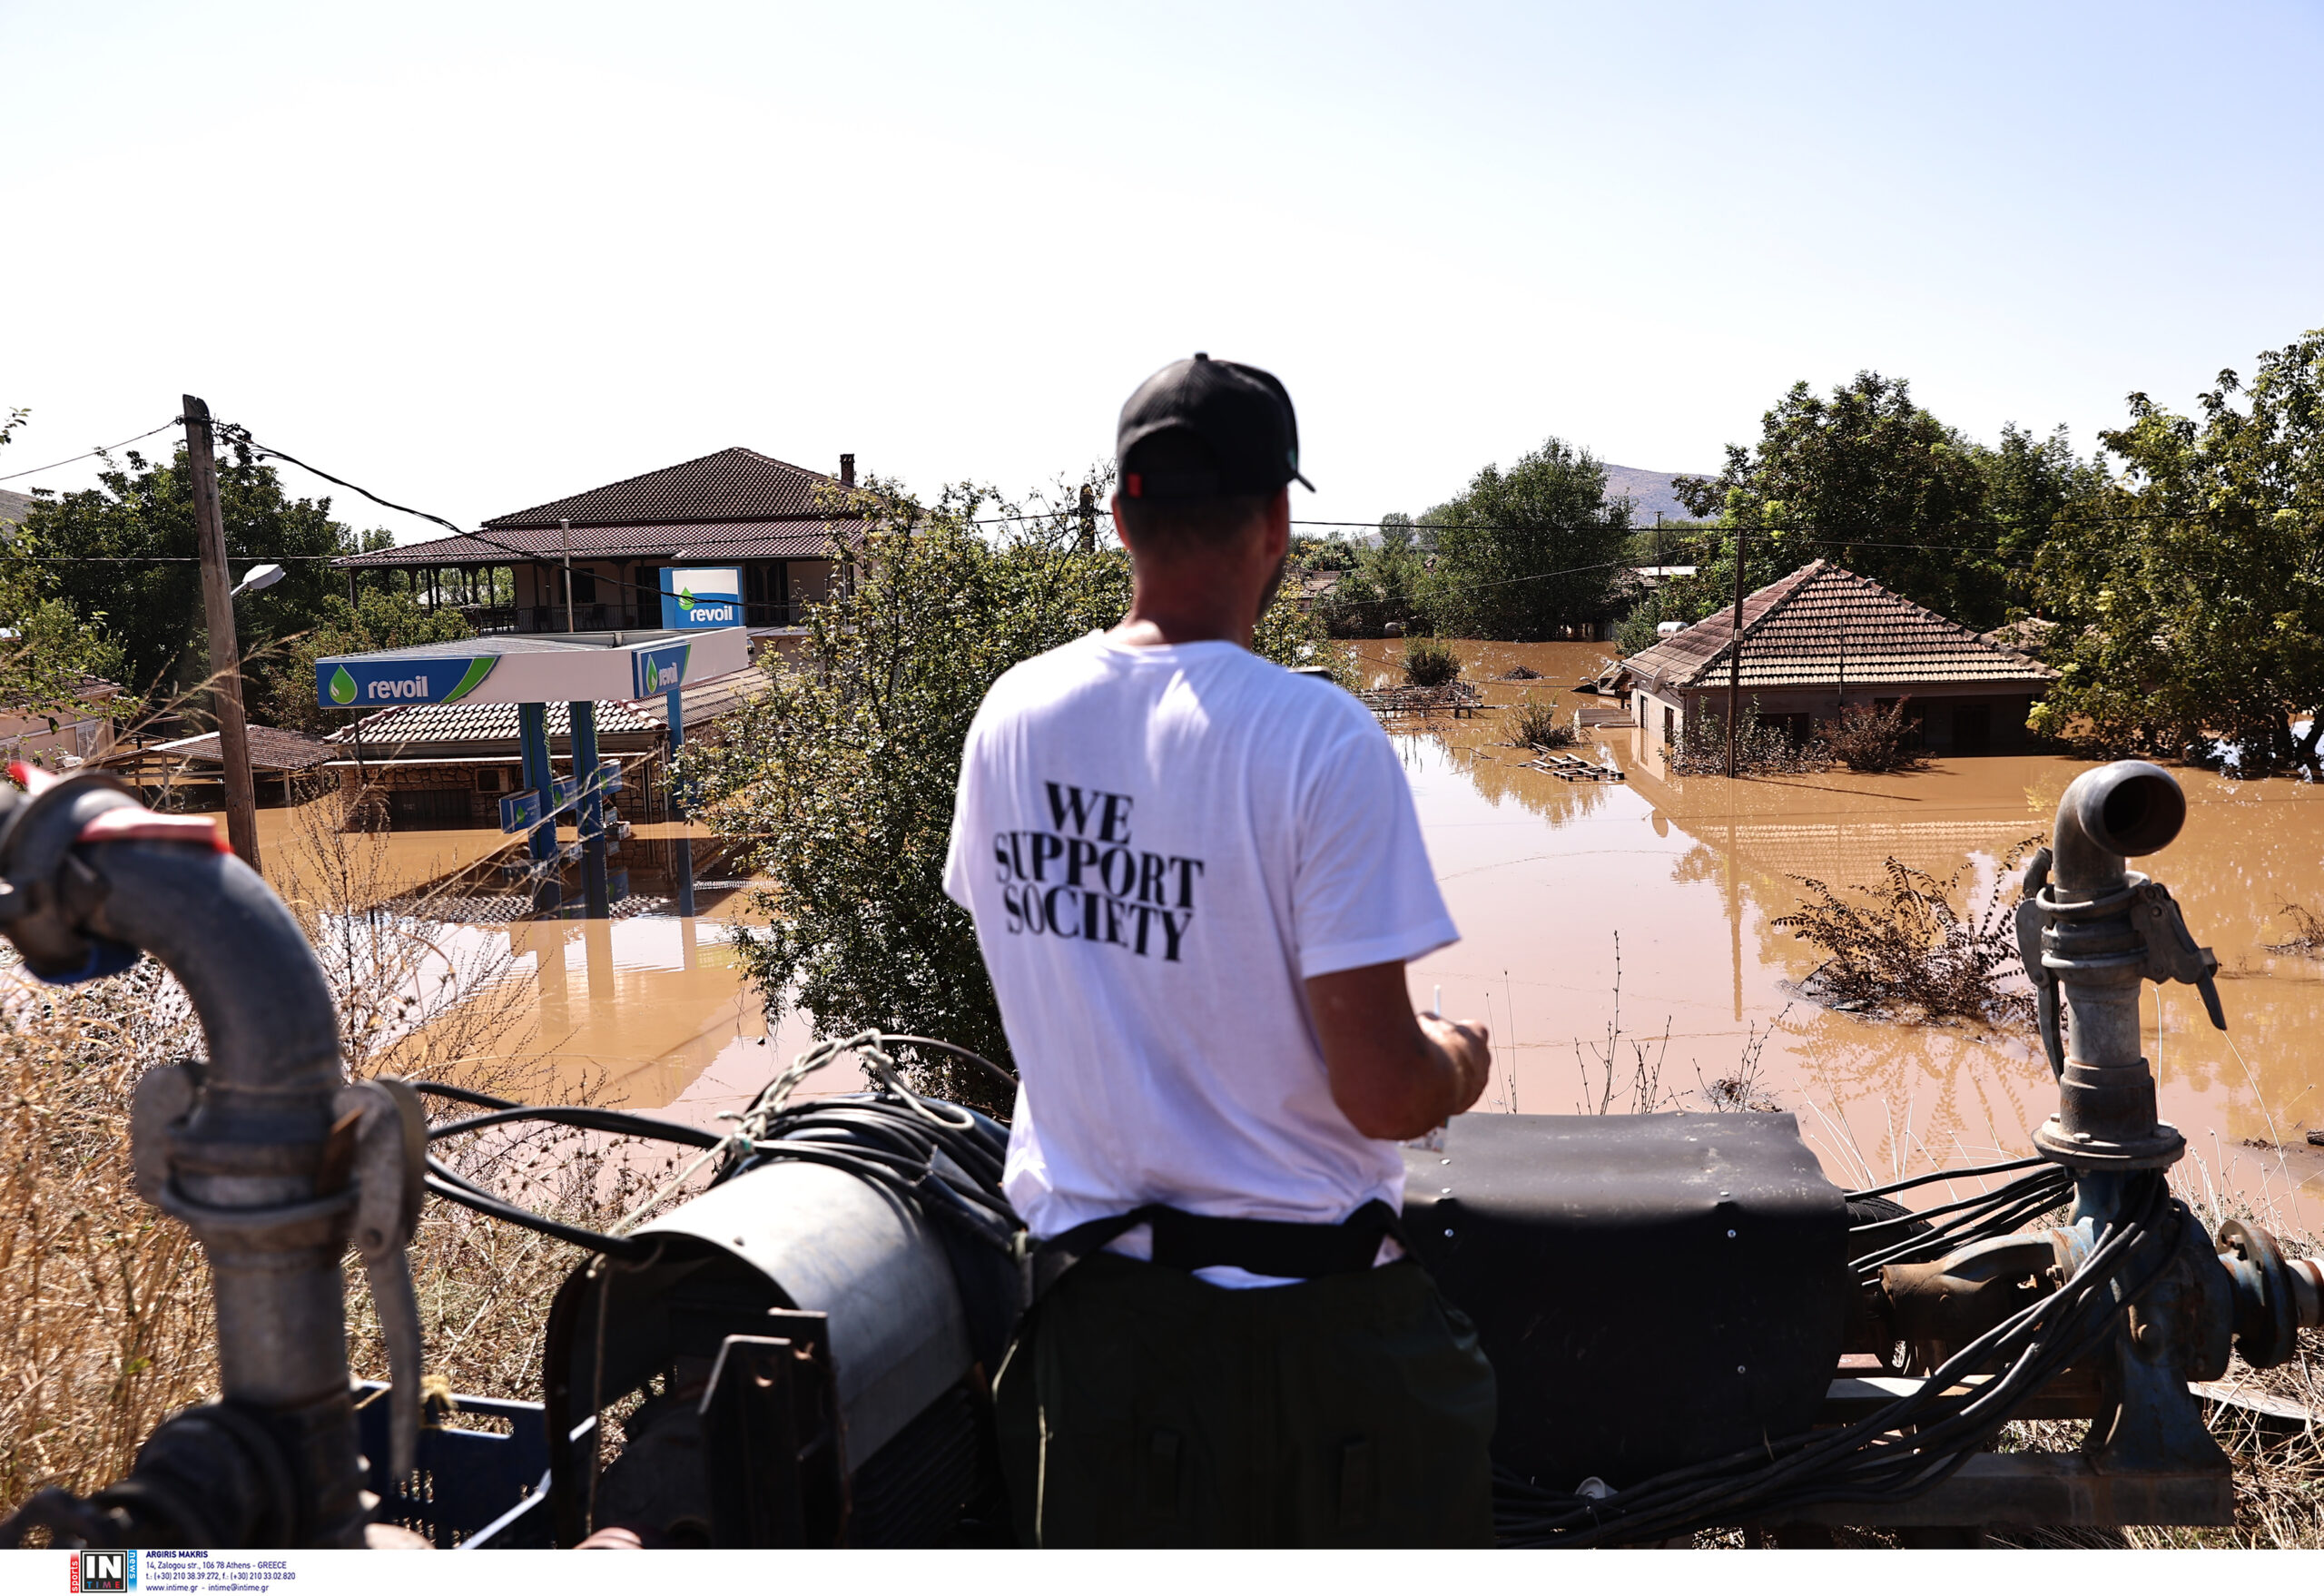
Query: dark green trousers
1141, 1407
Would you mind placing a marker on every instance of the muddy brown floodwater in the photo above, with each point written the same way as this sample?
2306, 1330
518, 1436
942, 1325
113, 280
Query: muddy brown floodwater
1545, 878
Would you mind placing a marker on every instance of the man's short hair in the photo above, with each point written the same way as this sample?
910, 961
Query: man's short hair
1157, 512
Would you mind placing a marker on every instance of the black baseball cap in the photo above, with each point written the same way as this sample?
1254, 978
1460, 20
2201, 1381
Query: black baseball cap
1240, 416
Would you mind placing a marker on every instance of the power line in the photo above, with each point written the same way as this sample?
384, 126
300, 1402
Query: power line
530, 556
102, 448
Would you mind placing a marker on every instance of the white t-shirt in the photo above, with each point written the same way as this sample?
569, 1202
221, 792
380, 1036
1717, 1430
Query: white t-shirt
1158, 845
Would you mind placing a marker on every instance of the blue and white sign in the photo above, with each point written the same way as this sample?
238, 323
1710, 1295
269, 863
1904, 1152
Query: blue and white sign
383, 684
660, 670
520, 811
616, 667
696, 598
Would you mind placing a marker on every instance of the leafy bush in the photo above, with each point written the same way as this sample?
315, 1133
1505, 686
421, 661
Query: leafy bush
1535, 725
1902, 948
1868, 738
1430, 662
1761, 747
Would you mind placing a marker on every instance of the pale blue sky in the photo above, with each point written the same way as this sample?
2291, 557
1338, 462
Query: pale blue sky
479, 256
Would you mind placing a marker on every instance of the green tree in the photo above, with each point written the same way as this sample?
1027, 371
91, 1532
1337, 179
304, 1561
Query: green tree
1382, 586
278, 681
838, 781
51, 653
1870, 480
2189, 591
130, 554
1525, 553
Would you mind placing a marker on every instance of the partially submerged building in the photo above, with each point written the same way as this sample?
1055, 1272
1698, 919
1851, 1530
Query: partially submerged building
765, 518
284, 766
62, 738
429, 765
1823, 637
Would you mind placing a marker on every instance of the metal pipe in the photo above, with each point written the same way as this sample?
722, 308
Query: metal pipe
240, 1149
2094, 946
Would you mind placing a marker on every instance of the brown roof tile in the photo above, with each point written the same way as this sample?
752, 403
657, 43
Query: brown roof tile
1822, 624
733, 484
759, 540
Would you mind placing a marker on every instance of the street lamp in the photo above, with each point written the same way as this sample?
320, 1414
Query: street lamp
258, 576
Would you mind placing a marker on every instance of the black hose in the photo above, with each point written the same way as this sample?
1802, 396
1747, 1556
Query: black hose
950, 1172
1983, 1199
1006, 1080
459, 1191
612, 1121
1896, 1185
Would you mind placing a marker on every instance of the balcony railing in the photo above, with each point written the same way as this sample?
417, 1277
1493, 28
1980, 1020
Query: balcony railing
612, 617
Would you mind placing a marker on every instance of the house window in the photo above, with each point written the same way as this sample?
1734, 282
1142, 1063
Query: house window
584, 586
1669, 726
491, 778
428, 806
766, 595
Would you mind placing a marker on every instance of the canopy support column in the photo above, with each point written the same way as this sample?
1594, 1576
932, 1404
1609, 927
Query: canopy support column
589, 810
681, 844
532, 733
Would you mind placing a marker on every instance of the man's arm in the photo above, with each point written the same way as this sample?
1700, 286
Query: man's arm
1394, 1074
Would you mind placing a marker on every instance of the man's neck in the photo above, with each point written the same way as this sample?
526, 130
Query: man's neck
1160, 616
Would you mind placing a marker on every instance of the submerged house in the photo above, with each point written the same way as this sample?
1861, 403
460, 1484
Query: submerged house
737, 508
1823, 637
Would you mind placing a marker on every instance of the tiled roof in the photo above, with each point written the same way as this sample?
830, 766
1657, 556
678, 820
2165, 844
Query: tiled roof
733, 484
482, 727
271, 748
1822, 624
704, 702
747, 540
735, 505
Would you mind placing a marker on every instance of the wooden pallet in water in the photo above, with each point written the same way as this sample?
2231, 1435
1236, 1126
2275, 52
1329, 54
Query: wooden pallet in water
1568, 767
1458, 699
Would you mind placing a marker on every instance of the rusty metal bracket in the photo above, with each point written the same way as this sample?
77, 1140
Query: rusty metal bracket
2171, 950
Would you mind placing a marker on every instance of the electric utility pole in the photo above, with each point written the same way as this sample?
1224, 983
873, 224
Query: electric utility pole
1735, 658
225, 655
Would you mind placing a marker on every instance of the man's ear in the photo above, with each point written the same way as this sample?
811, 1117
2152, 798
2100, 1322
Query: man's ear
1278, 525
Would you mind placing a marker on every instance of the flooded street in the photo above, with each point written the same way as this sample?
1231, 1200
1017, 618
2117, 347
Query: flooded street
1545, 878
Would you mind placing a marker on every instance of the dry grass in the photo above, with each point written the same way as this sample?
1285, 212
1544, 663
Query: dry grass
2307, 937
105, 1323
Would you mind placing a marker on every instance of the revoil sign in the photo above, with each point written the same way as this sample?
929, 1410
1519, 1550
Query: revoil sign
697, 598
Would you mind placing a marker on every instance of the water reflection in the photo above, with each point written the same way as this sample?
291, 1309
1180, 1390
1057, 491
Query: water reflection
1692, 872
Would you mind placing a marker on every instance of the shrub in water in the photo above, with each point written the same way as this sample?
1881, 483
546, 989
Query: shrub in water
1535, 725
1870, 738
1430, 662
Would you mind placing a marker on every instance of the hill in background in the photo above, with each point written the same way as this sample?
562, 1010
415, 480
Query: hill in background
1648, 491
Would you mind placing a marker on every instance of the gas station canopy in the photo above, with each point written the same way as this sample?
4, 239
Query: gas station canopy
551, 667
